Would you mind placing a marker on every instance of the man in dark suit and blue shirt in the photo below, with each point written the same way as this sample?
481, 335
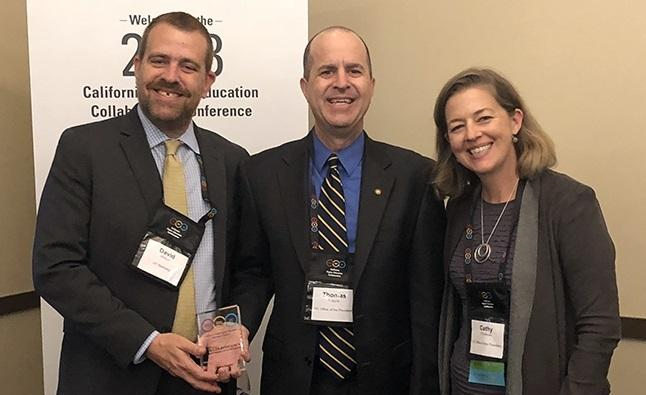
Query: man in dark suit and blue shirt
114, 189
347, 235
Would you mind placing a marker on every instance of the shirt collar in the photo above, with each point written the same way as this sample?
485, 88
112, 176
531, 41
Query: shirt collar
156, 136
350, 157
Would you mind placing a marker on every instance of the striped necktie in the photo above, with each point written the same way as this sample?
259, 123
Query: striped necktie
336, 351
185, 323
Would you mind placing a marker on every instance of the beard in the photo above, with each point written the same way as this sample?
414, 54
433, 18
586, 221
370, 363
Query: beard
167, 117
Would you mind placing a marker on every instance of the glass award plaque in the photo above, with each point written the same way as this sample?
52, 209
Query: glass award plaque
220, 332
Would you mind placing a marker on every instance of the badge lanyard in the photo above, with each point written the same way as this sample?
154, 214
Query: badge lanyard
314, 222
204, 186
471, 243
328, 289
488, 310
167, 249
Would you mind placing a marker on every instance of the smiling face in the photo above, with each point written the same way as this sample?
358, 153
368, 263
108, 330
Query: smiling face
480, 133
339, 86
172, 77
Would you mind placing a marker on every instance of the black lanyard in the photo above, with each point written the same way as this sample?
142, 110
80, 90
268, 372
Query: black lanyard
314, 221
471, 243
204, 186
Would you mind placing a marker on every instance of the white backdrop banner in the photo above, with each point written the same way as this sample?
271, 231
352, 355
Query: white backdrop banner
81, 60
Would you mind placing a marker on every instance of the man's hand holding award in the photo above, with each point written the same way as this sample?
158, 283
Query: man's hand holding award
226, 341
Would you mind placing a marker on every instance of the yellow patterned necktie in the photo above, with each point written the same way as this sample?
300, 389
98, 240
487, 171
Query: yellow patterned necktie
185, 323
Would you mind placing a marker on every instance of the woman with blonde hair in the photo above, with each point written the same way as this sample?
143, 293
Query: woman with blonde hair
530, 306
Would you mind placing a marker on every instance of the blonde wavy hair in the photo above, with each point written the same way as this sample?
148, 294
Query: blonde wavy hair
534, 149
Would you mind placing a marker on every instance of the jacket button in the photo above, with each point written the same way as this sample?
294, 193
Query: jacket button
308, 361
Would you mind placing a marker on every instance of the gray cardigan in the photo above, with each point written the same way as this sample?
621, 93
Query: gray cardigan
564, 318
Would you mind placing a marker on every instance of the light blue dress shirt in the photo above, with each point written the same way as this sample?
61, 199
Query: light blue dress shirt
203, 264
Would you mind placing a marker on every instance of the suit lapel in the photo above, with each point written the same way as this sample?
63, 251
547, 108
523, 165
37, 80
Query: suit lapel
137, 151
293, 182
376, 186
523, 283
215, 173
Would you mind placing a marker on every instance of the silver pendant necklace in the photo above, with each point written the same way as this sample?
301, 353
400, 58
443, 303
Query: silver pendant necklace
483, 250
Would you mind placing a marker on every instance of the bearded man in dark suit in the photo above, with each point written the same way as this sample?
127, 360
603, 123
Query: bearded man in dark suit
123, 331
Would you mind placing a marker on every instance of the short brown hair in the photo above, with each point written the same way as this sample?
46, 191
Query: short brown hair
534, 149
307, 58
184, 22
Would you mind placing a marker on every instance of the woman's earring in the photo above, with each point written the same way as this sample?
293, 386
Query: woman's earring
514, 139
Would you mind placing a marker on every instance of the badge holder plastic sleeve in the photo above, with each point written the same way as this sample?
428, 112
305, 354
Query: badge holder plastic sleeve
142, 248
309, 296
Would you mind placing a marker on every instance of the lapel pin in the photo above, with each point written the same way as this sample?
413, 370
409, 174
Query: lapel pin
377, 191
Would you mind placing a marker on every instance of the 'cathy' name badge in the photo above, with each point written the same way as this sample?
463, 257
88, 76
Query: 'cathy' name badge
332, 304
487, 339
163, 262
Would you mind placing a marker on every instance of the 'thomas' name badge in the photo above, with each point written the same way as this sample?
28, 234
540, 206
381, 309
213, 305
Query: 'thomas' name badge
332, 304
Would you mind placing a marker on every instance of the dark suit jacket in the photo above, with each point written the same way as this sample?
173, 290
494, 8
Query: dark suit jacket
564, 318
100, 195
397, 276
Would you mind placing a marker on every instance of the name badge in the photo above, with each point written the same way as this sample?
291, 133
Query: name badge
332, 304
169, 245
163, 262
328, 290
487, 339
